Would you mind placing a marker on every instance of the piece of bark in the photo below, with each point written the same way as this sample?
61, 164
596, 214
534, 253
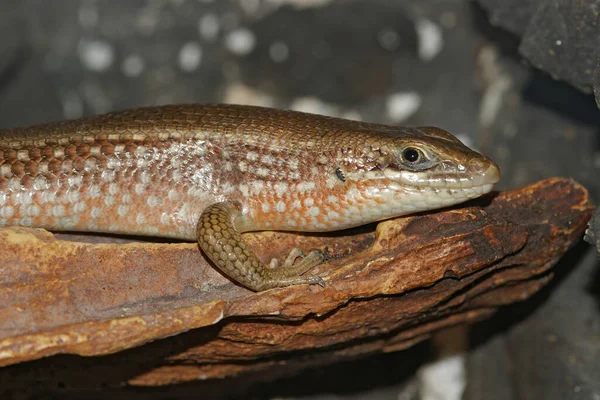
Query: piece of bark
385, 290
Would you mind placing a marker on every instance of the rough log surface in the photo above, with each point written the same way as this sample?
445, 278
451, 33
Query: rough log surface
386, 289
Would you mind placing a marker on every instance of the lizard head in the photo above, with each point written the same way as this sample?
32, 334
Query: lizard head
435, 159
417, 170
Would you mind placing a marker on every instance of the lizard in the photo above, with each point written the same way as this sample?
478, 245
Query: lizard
212, 172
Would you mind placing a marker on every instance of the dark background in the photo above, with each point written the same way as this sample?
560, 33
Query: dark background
520, 91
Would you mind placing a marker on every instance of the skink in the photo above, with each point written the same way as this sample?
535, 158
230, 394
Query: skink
212, 172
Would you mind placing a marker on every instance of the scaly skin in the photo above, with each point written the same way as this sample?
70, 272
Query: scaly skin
211, 172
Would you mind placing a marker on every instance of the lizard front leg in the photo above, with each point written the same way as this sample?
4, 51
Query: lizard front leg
222, 242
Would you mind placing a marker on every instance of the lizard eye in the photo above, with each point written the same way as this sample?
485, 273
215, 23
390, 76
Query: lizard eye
414, 158
411, 155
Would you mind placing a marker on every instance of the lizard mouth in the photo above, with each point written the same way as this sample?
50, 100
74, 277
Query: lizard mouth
480, 173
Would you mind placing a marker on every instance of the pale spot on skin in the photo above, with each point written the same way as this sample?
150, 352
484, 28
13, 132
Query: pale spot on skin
139, 188
113, 163
280, 207
113, 189
23, 155
59, 152
296, 205
353, 211
206, 170
177, 175
268, 160
164, 218
96, 212
14, 184
252, 156
140, 219
331, 181
7, 212
305, 186
242, 166
75, 181
257, 187
57, 211
281, 188
108, 175
244, 189
293, 164
79, 207
353, 193
73, 196
23, 198
333, 215
332, 199
109, 200
94, 191
90, 163
154, 201
146, 178
228, 166
48, 197
265, 207
314, 211
141, 151
32, 211
41, 183
3, 198
122, 210
183, 213
309, 202
143, 164
68, 221
176, 163
42, 167
26, 221
126, 198
227, 188
262, 172
195, 192
173, 195
6, 170
295, 176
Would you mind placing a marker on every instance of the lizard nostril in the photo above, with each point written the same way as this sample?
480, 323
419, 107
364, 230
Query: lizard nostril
478, 166
485, 168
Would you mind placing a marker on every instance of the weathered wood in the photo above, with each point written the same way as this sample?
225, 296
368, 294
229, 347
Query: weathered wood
386, 289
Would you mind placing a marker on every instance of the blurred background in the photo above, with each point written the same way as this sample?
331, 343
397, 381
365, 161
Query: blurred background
513, 79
